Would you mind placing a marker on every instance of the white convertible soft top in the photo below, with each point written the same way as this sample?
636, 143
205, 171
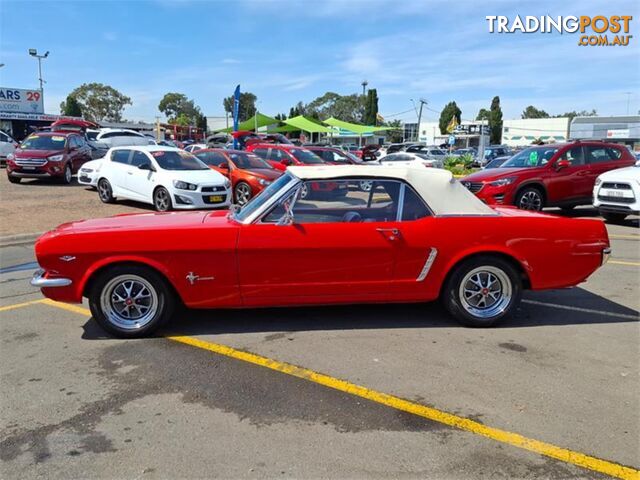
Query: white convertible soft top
443, 193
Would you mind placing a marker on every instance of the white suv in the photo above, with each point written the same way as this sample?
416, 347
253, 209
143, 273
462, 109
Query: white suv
616, 193
166, 177
7, 146
118, 137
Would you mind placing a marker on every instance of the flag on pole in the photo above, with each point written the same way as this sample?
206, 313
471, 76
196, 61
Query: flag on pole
452, 124
236, 110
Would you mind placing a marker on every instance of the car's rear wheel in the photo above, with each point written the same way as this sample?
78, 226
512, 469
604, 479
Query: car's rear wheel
613, 217
162, 199
67, 175
242, 193
482, 290
365, 185
530, 198
13, 179
104, 191
131, 301
304, 191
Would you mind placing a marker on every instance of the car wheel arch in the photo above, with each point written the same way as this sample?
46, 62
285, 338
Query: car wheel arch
98, 268
519, 265
532, 184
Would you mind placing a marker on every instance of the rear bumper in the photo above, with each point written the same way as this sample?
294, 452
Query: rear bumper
39, 280
606, 253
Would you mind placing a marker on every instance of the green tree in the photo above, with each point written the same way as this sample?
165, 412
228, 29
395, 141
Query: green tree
99, 102
349, 108
247, 107
448, 112
533, 112
396, 134
581, 113
371, 108
70, 107
495, 121
483, 114
177, 106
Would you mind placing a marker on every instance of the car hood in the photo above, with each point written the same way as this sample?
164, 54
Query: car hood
36, 153
622, 174
494, 174
266, 173
197, 176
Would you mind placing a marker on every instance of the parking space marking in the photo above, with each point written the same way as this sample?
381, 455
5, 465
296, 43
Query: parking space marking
20, 305
621, 262
503, 436
625, 237
584, 310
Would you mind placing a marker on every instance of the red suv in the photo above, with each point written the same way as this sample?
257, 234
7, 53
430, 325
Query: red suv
48, 155
554, 175
281, 156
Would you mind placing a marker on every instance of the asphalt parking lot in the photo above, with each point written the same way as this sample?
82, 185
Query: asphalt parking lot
374, 395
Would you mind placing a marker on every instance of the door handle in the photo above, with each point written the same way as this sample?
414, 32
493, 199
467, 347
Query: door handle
391, 233
129, 172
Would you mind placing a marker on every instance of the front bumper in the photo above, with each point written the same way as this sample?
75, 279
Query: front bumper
47, 170
39, 280
211, 197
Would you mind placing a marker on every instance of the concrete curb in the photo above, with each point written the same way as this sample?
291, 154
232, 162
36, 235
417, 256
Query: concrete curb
22, 239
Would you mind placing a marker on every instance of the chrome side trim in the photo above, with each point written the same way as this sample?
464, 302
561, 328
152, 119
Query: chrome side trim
38, 280
427, 265
606, 253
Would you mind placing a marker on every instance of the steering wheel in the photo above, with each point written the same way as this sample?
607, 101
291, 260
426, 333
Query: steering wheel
352, 217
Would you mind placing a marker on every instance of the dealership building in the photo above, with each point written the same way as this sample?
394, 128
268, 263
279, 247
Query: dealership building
624, 129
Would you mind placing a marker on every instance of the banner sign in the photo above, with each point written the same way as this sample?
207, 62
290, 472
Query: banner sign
18, 100
236, 109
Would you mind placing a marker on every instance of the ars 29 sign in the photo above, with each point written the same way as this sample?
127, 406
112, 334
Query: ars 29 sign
18, 100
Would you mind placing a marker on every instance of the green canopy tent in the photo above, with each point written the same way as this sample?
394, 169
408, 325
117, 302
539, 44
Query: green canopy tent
257, 121
302, 123
354, 127
283, 129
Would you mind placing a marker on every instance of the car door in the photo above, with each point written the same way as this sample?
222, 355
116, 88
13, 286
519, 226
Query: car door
567, 183
117, 171
602, 158
337, 249
140, 183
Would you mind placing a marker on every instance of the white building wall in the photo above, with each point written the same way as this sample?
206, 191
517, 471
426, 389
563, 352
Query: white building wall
520, 132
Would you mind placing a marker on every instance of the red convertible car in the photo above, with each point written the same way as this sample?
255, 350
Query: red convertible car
407, 239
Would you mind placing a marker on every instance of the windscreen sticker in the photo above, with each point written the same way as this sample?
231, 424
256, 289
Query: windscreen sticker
533, 158
158, 153
57, 139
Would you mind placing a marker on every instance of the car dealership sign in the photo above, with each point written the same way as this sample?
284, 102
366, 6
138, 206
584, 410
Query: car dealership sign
18, 100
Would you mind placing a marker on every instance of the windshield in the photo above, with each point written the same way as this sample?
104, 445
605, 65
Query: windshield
170, 160
44, 142
436, 152
531, 157
305, 156
263, 197
248, 161
92, 135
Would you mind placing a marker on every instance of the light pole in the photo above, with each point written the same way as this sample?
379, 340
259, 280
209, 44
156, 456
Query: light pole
422, 103
364, 86
628, 94
34, 53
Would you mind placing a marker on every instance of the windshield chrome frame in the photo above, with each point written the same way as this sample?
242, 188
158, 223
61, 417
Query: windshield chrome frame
284, 191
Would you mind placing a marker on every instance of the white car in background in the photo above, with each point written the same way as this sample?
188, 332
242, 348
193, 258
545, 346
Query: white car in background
616, 193
119, 137
7, 146
194, 147
89, 171
167, 178
409, 159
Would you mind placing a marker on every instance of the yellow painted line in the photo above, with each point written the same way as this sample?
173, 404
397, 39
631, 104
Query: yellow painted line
625, 237
620, 262
503, 436
20, 305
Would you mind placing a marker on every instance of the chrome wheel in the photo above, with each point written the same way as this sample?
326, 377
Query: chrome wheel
67, 174
129, 302
243, 193
485, 292
366, 185
161, 200
530, 200
304, 191
104, 191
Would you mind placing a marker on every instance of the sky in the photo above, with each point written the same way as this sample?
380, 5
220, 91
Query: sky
286, 51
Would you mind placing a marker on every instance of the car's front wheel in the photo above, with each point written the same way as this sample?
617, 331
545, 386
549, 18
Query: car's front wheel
482, 290
104, 191
162, 199
242, 193
131, 301
530, 198
67, 175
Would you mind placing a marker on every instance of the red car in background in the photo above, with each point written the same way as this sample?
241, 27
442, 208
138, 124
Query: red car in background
554, 175
48, 155
248, 173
